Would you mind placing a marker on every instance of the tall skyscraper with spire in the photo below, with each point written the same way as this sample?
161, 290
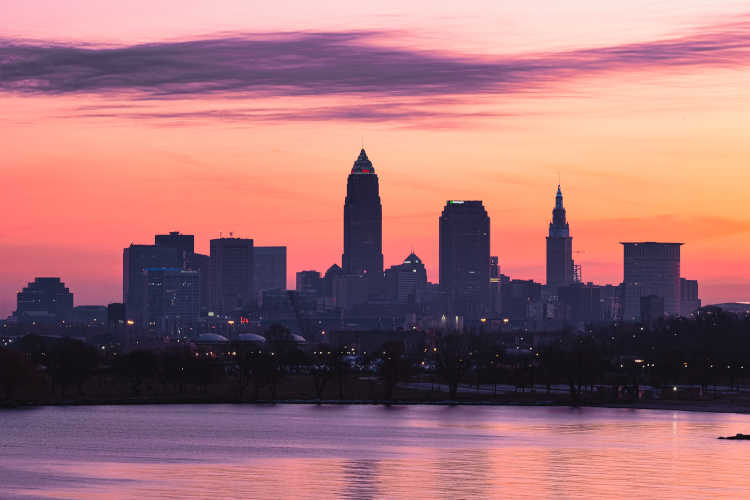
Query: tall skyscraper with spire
363, 221
560, 266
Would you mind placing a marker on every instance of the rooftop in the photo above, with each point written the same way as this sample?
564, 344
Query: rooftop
647, 243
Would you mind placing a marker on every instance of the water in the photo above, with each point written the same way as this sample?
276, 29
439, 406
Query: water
301, 451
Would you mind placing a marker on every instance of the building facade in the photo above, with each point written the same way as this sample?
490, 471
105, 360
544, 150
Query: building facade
350, 290
650, 268
496, 281
135, 259
172, 299
270, 268
90, 315
560, 266
363, 224
183, 243
580, 303
309, 283
521, 300
116, 315
689, 300
465, 256
201, 263
44, 300
405, 283
231, 275
652, 308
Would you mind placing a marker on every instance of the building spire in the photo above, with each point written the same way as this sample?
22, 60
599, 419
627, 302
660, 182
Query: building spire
560, 265
559, 225
363, 165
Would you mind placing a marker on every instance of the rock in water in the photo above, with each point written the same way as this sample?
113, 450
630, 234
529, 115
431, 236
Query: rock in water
737, 436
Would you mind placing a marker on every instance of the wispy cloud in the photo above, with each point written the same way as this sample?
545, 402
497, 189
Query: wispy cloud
378, 112
355, 63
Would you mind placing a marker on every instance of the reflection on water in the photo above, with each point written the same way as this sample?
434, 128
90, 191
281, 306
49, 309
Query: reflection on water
359, 452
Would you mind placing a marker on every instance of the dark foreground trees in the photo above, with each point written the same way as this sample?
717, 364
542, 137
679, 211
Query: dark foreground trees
451, 352
15, 373
70, 363
394, 368
707, 356
576, 360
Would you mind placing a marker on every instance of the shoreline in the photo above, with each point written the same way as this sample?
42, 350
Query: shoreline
692, 406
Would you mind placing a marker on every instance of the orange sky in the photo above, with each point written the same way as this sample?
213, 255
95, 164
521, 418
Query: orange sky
649, 134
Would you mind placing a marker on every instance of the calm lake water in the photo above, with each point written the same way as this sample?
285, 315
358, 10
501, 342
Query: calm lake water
300, 451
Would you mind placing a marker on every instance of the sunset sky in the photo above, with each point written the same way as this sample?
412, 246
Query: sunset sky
122, 120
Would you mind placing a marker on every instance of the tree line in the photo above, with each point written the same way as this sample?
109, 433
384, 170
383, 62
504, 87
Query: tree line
615, 362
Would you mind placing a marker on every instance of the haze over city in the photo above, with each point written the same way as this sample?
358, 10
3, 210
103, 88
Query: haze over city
638, 109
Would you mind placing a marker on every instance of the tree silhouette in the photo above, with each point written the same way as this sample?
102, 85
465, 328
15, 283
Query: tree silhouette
393, 367
15, 370
70, 362
323, 363
451, 362
137, 367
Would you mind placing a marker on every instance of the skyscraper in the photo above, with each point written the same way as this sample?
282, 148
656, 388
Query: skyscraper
560, 267
231, 275
184, 243
363, 224
135, 259
651, 269
270, 268
465, 256
44, 300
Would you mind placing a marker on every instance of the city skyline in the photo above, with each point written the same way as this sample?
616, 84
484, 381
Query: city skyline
336, 249
183, 245
165, 285
637, 112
